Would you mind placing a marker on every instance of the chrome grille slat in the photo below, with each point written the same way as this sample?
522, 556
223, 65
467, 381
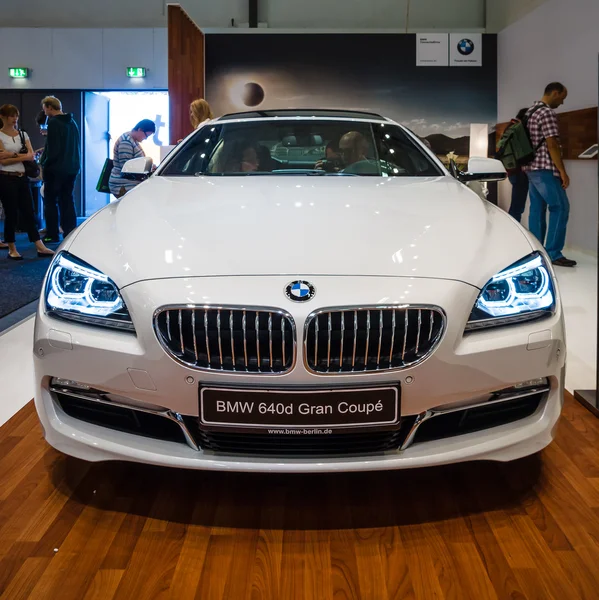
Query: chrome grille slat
257, 329
353, 360
231, 326
207, 338
193, 328
405, 333
392, 337
330, 331
431, 317
378, 356
384, 338
270, 338
342, 339
220, 340
212, 338
419, 328
245, 339
316, 342
283, 321
367, 339
181, 333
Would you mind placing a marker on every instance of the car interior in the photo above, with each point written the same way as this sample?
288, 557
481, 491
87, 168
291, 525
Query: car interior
277, 147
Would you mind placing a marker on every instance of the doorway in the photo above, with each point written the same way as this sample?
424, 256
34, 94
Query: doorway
107, 115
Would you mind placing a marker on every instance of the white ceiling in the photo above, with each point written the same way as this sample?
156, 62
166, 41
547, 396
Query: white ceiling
312, 14
424, 15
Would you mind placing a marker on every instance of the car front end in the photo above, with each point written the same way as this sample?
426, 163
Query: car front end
369, 333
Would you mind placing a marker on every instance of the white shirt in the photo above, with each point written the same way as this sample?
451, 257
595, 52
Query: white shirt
12, 145
203, 123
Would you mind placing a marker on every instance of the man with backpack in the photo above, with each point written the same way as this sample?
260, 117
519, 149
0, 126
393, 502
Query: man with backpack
533, 145
517, 176
547, 176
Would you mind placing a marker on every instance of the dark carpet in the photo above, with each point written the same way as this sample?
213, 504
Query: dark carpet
21, 281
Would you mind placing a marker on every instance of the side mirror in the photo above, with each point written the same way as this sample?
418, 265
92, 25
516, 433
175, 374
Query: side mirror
483, 169
137, 169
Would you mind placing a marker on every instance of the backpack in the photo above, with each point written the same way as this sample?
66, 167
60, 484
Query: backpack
515, 147
102, 185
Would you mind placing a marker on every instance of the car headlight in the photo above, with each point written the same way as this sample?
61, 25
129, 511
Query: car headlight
522, 292
77, 291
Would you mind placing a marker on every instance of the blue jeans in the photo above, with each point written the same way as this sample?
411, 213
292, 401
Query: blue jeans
546, 191
519, 183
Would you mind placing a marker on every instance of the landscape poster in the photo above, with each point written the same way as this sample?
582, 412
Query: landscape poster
373, 72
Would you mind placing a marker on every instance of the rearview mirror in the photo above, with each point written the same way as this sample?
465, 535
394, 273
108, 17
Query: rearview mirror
137, 169
483, 169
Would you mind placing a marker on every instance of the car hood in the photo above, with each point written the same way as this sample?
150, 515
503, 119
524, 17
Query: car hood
300, 226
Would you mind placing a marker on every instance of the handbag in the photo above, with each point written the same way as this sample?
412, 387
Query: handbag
102, 185
32, 169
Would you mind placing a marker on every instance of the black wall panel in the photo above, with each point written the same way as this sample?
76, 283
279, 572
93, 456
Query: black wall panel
29, 104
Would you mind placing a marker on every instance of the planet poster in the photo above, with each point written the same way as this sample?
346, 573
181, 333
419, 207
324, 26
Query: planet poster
373, 72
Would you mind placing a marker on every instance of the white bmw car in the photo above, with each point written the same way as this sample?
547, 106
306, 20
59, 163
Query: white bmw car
300, 291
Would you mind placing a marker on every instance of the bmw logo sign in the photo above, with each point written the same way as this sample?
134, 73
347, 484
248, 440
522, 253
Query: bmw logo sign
466, 47
300, 291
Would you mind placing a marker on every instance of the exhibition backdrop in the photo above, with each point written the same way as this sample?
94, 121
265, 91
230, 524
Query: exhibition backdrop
375, 72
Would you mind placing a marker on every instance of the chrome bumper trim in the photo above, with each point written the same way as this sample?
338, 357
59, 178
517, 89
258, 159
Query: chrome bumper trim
101, 398
496, 398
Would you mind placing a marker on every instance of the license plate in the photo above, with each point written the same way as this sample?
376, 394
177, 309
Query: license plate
331, 408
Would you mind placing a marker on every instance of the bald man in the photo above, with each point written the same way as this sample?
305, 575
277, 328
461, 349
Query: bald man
353, 148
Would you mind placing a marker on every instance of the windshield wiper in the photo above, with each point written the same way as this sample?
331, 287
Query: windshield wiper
311, 172
308, 172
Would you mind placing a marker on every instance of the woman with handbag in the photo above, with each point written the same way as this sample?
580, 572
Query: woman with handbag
15, 192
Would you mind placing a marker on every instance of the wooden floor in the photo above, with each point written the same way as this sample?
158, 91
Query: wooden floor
70, 530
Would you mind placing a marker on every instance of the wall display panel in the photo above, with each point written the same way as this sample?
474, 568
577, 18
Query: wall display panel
578, 132
375, 72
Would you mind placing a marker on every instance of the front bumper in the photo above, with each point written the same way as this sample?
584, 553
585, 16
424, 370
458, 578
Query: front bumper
463, 369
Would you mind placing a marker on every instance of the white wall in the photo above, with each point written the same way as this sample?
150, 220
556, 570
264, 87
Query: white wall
501, 13
425, 14
339, 14
84, 58
557, 41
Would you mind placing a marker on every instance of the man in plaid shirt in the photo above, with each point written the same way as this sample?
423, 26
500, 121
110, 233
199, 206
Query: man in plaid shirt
547, 176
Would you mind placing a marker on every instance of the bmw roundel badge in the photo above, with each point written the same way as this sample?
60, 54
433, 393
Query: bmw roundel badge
300, 291
466, 47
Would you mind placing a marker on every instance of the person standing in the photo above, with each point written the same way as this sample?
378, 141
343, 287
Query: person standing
61, 163
547, 176
519, 180
200, 113
15, 193
127, 147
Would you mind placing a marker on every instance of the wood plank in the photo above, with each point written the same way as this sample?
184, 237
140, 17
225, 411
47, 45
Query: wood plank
25, 579
25, 416
104, 585
186, 79
519, 531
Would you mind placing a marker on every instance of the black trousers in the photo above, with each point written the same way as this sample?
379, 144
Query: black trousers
519, 183
58, 195
15, 195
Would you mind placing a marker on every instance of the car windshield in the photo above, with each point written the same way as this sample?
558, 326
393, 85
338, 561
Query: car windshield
301, 147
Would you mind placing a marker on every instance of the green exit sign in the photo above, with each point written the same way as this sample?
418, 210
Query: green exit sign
136, 71
18, 72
